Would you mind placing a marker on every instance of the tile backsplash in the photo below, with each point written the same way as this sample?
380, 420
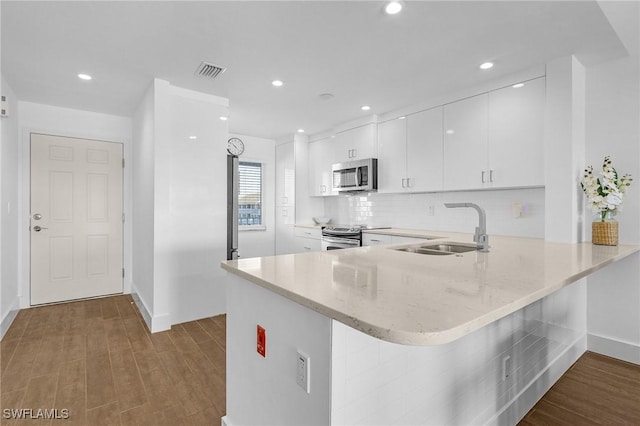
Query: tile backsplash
515, 212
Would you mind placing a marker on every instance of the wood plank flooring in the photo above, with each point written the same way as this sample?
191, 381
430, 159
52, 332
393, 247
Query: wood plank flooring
596, 390
97, 359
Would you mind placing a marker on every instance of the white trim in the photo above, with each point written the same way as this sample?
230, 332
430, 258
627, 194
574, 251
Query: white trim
9, 317
154, 323
224, 421
519, 406
626, 351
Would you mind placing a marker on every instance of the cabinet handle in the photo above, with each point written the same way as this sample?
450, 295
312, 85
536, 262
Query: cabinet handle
483, 176
355, 153
307, 233
490, 175
349, 153
374, 241
307, 248
408, 182
403, 182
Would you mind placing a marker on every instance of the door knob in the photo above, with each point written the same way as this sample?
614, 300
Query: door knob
38, 228
37, 216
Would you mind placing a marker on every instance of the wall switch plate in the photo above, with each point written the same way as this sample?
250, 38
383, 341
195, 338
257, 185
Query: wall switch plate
302, 372
517, 210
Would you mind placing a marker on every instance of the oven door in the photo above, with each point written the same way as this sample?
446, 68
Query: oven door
337, 243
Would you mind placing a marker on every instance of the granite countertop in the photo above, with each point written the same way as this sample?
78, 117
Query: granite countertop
417, 299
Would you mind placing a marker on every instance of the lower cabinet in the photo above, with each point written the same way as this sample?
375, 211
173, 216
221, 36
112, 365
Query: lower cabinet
307, 239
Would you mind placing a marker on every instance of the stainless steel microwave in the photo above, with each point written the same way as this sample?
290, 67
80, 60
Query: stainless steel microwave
360, 175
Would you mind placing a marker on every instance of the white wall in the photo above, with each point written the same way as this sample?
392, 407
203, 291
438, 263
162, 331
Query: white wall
9, 204
73, 123
613, 128
191, 207
261, 242
414, 211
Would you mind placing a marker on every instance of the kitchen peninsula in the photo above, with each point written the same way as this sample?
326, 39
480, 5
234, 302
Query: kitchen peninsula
394, 337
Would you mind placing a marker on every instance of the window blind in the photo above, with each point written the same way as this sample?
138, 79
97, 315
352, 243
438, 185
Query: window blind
250, 196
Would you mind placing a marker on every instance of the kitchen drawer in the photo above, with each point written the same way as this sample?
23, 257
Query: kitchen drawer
313, 233
307, 244
375, 239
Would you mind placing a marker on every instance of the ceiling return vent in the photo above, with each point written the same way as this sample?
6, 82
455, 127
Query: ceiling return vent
209, 70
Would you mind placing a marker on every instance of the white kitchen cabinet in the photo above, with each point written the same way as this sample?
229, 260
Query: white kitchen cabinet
516, 126
308, 239
392, 155
285, 175
285, 200
465, 143
410, 153
375, 239
321, 158
495, 140
356, 144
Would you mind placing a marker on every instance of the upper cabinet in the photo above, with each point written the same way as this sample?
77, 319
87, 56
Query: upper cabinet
356, 144
410, 153
321, 158
495, 140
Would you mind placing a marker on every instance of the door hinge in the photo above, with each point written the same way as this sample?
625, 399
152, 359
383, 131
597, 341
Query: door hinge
123, 163
122, 272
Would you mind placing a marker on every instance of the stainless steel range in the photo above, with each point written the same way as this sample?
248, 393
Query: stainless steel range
336, 237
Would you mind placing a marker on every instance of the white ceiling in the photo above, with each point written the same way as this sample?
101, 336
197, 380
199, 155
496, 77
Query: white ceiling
350, 49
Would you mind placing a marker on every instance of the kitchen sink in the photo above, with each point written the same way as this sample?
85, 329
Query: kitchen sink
442, 249
452, 247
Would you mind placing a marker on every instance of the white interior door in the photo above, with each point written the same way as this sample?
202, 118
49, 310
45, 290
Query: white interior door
76, 218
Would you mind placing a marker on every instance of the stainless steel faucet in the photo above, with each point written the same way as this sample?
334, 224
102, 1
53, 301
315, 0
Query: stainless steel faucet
480, 237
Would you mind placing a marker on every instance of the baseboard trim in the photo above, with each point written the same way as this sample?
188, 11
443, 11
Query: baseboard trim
8, 319
520, 405
624, 351
154, 323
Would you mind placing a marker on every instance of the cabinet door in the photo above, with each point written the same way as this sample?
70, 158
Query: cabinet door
363, 142
285, 239
321, 158
516, 122
392, 155
465, 144
342, 147
424, 151
285, 175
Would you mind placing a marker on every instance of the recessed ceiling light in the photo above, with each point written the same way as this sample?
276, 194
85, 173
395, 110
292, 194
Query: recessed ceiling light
224, 118
300, 130
85, 77
450, 132
486, 65
193, 137
277, 83
393, 7
402, 118
517, 86
365, 107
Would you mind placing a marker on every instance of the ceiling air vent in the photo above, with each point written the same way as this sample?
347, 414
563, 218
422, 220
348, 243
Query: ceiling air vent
209, 70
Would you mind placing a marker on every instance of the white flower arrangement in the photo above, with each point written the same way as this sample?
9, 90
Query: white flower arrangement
606, 192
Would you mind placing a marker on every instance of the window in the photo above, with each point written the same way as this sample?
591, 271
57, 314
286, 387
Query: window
250, 196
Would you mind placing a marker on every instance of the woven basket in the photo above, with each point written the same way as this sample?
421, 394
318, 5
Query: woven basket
604, 233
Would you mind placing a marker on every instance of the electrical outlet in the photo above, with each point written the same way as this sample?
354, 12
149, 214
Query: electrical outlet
302, 372
506, 367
